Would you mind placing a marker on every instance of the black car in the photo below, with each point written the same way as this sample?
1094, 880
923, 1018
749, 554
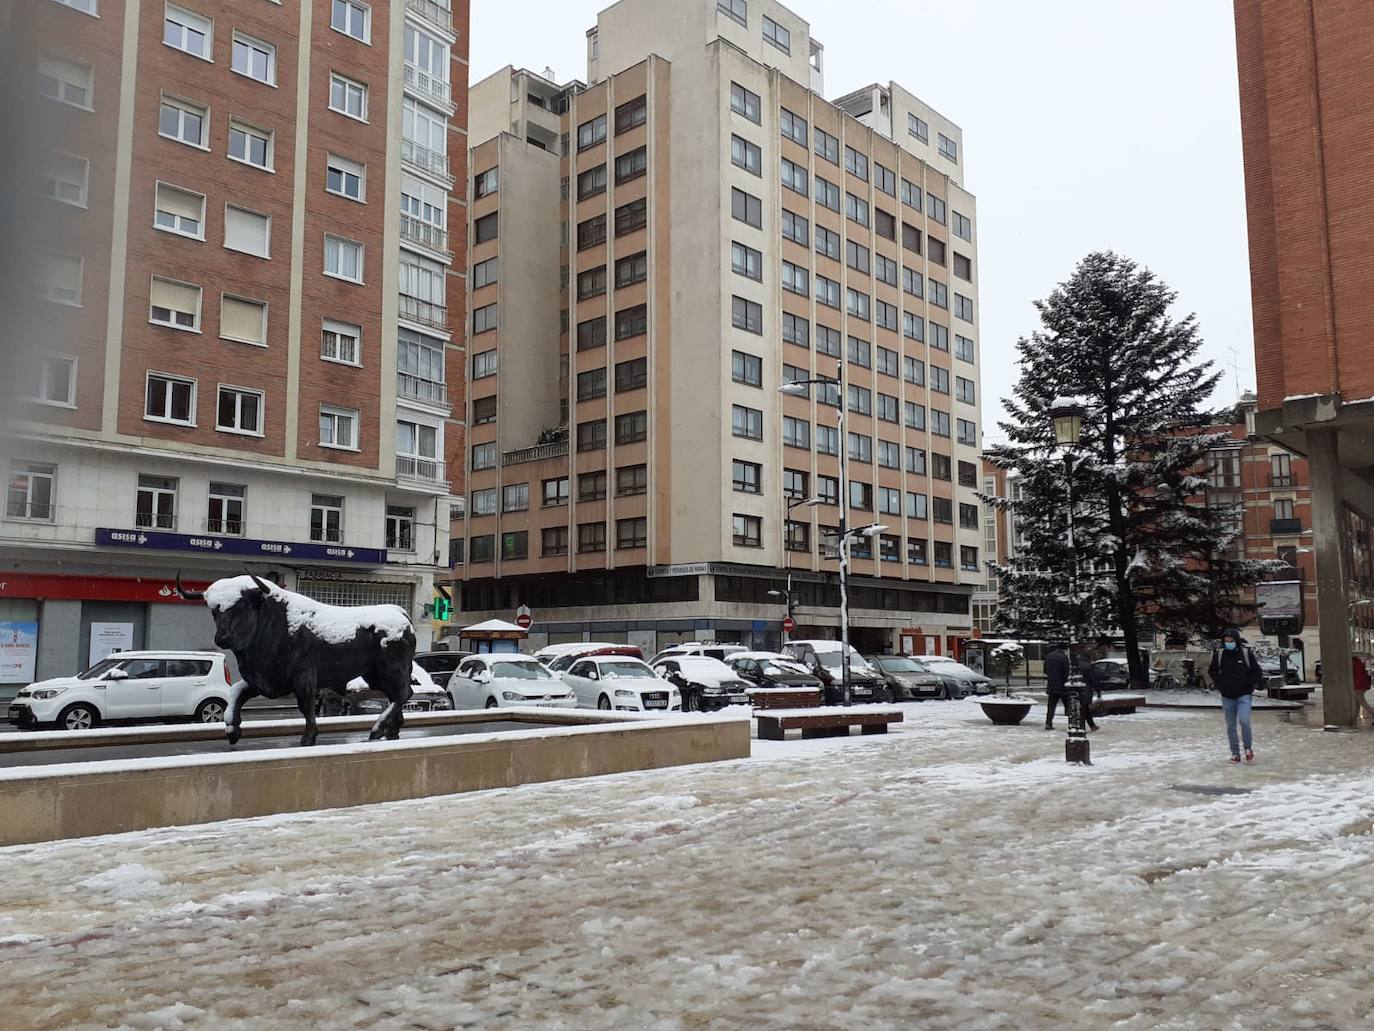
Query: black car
706, 684
823, 659
440, 665
773, 671
907, 678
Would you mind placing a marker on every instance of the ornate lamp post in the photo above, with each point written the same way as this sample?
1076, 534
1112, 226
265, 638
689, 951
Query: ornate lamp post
787, 594
1066, 416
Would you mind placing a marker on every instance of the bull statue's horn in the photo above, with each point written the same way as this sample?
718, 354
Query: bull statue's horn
188, 595
261, 584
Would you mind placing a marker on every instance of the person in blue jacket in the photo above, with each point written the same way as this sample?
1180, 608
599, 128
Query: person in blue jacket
1235, 672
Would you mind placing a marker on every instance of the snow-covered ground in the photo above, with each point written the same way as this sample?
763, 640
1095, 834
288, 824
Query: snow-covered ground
950, 875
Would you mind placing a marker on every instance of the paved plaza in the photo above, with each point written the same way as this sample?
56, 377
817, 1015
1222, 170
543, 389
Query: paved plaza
950, 875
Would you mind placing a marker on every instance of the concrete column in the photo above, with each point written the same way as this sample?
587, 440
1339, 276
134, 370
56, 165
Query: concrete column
1333, 612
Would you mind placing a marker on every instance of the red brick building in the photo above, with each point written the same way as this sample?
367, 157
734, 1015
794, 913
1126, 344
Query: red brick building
1306, 121
248, 339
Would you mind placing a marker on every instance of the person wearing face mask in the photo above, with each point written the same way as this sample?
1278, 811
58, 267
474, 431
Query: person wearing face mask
1235, 672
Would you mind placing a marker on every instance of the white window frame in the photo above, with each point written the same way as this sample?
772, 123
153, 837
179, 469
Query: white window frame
200, 299
156, 492
90, 7
52, 159
245, 300
240, 393
346, 167
88, 86
206, 27
171, 378
31, 471
44, 382
347, 329
353, 7
186, 107
347, 83
252, 43
267, 238
176, 231
227, 499
335, 413
50, 291
240, 126
362, 251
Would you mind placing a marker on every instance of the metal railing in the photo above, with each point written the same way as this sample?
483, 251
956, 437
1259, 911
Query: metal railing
431, 161
417, 309
411, 467
435, 14
534, 454
429, 87
426, 235
420, 389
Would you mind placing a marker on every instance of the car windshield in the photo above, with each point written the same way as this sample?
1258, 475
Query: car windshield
622, 669
779, 668
831, 659
527, 670
900, 664
99, 669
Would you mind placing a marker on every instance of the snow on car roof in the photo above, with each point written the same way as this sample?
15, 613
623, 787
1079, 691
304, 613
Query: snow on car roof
759, 655
700, 663
158, 653
570, 647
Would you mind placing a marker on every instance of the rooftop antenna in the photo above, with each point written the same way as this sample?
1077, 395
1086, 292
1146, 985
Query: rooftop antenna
1235, 369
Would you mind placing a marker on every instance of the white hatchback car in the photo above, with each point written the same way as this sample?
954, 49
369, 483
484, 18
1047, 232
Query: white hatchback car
616, 682
504, 680
130, 686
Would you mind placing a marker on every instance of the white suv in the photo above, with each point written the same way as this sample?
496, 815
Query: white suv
129, 686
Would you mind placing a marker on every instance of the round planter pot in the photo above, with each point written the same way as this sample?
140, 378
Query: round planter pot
1006, 712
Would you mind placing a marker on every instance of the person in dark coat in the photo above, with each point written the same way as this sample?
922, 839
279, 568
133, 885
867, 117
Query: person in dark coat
1235, 672
1057, 682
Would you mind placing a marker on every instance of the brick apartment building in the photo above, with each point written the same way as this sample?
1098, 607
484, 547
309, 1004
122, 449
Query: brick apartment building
1306, 121
248, 343
654, 252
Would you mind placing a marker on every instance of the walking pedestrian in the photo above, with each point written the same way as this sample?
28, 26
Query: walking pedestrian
1056, 682
1235, 672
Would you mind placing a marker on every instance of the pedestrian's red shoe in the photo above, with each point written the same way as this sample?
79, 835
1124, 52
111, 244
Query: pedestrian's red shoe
1249, 755
1235, 759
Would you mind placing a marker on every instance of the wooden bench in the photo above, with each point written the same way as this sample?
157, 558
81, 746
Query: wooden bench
1289, 692
1116, 704
830, 721
784, 697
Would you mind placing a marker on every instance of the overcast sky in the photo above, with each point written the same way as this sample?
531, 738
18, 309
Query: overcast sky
1088, 124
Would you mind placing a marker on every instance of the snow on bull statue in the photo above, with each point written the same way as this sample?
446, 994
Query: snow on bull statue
288, 644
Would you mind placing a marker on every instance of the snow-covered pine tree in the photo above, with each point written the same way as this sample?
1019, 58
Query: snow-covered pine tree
1148, 542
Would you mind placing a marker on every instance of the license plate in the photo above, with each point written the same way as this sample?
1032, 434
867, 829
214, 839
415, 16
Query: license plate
413, 707
15, 711
655, 703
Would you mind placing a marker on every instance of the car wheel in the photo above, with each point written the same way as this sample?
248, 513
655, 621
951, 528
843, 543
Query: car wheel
210, 711
78, 717
691, 702
603, 702
491, 703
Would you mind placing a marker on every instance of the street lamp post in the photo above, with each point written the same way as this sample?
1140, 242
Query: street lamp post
787, 561
1066, 415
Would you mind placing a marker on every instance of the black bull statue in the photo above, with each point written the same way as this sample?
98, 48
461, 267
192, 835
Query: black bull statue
287, 644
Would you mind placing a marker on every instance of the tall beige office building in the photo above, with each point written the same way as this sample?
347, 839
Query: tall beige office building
652, 254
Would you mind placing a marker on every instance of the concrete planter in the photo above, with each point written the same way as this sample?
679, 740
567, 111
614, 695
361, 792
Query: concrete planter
1006, 712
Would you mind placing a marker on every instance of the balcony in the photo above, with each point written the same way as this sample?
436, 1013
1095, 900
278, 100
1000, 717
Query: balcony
429, 89
437, 15
431, 237
1285, 526
1280, 480
431, 161
424, 470
417, 309
534, 454
417, 389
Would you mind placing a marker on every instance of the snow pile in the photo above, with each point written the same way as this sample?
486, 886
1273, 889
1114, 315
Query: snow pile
126, 881
334, 624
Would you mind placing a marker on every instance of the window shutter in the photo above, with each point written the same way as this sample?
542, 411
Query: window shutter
180, 202
243, 320
245, 231
175, 296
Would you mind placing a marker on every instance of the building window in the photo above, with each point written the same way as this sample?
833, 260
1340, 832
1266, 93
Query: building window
341, 342
1283, 508
591, 384
939, 422
591, 435
224, 509
777, 35
483, 502
746, 477
963, 307
917, 506
968, 475
747, 531
338, 428
861, 496
631, 114
400, 528
746, 315
555, 492
483, 457
856, 164
343, 259
326, 518
62, 278
861, 448
888, 408
856, 209
746, 368
963, 348
860, 353
746, 208
591, 537
66, 81
889, 501
484, 273
911, 194
745, 102
860, 400
796, 330
916, 551
796, 279
632, 533
631, 216
917, 127
484, 228
942, 509
631, 480
65, 178
940, 467
351, 18
30, 494
827, 292
254, 58
794, 176
347, 97
591, 283
591, 232
631, 166
239, 411
964, 389
935, 208
248, 232
184, 30
948, 148
591, 334
592, 182
1281, 470
632, 427
746, 155
828, 490
797, 536
634, 269
856, 256
827, 339
591, 486
554, 541
155, 507
796, 432
175, 305
182, 121
179, 211
963, 227
827, 440
827, 242
515, 497
943, 555
939, 335
793, 126
482, 549
250, 145
631, 375
54, 382
746, 422
746, 261
914, 371
796, 228
885, 180
345, 178
827, 194
827, 146
483, 411
632, 322
591, 132
485, 183
911, 238
915, 415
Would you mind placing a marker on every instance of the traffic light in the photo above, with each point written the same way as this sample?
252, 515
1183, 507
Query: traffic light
443, 609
